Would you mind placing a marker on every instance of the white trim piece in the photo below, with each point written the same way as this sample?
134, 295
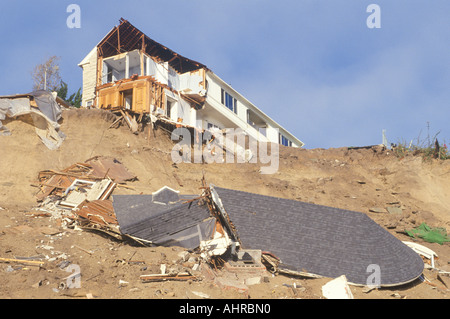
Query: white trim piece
422, 250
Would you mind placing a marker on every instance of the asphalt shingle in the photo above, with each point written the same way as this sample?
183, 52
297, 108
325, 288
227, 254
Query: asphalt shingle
321, 240
182, 224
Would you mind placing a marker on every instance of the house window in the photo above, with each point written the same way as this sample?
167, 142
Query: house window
229, 101
283, 140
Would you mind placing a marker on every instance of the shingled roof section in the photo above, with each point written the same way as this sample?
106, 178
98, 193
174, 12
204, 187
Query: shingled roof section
175, 224
320, 240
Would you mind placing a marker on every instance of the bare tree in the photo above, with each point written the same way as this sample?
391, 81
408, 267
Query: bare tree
46, 75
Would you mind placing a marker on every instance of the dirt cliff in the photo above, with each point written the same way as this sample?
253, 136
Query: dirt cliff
365, 180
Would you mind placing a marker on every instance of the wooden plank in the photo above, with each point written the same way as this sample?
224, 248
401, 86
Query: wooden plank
166, 277
22, 261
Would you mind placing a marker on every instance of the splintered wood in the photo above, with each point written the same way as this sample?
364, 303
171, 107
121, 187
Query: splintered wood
167, 277
53, 182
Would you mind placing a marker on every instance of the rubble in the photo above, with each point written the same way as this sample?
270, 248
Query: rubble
232, 238
45, 113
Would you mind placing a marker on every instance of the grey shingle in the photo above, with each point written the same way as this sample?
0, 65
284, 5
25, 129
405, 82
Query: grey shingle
321, 240
181, 224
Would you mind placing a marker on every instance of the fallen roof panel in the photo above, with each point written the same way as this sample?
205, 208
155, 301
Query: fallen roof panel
320, 240
110, 167
174, 224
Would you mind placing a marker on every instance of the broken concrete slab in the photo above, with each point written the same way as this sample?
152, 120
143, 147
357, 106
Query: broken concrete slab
337, 289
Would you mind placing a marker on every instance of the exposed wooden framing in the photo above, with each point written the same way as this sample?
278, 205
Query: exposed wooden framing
118, 39
204, 79
136, 41
174, 57
106, 41
142, 56
112, 45
99, 71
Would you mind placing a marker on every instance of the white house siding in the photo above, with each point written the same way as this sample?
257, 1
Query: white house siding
89, 65
162, 74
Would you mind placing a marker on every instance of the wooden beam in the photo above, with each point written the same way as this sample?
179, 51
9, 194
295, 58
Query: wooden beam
118, 40
22, 261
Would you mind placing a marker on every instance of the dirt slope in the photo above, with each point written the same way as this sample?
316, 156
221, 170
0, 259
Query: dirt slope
358, 180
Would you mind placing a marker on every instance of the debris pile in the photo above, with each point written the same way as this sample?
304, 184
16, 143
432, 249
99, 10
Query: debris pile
229, 231
44, 109
79, 195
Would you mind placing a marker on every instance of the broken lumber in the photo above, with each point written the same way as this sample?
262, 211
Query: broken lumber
22, 261
166, 277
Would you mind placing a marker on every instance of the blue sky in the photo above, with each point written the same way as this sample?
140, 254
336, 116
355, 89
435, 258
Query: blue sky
312, 65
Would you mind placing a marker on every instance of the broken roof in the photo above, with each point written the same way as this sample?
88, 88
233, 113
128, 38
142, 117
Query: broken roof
164, 218
125, 37
319, 240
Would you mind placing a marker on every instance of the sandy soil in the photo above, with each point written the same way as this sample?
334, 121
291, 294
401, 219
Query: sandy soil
350, 179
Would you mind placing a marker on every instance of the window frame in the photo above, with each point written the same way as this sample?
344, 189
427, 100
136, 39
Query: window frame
229, 101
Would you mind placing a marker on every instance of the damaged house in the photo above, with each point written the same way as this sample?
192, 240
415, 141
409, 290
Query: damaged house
130, 70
